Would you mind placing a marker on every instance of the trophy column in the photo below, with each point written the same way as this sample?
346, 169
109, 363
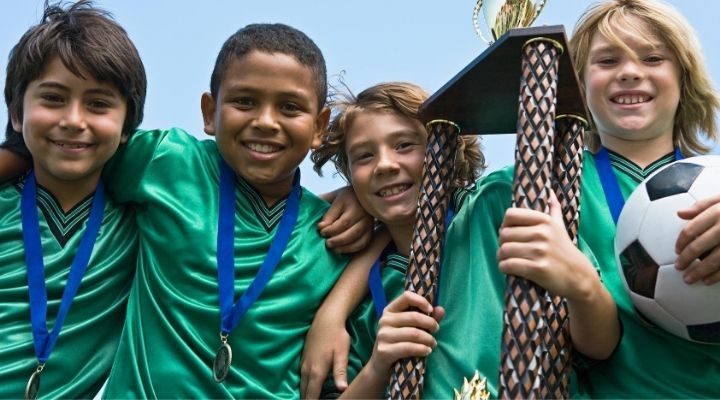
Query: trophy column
567, 171
483, 99
535, 361
407, 379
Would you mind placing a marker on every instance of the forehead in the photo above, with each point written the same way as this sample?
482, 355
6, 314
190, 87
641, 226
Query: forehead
626, 33
377, 126
57, 72
269, 72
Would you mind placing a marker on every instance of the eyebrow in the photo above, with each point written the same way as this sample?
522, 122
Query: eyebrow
613, 47
253, 90
97, 91
393, 134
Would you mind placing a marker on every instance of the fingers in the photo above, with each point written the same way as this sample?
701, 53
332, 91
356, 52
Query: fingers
330, 217
352, 239
438, 313
707, 269
340, 362
409, 299
698, 236
311, 380
404, 342
516, 216
697, 208
517, 266
556, 209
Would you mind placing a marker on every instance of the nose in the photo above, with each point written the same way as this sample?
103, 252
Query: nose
630, 70
386, 162
266, 119
74, 117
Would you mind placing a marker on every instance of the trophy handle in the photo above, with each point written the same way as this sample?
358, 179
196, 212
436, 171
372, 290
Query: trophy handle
537, 8
476, 23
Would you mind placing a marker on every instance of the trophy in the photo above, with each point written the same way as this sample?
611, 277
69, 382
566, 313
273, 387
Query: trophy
549, 118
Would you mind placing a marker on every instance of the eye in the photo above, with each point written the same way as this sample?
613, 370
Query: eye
654, 59
291, 108
99, 105
361, 157
405, 145
52, 98
607, 61
244, 103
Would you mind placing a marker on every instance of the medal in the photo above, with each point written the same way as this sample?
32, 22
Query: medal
223, 359
33, 386
231, 314
44, 340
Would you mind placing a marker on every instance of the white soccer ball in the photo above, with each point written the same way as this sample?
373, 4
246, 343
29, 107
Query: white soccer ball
647, 230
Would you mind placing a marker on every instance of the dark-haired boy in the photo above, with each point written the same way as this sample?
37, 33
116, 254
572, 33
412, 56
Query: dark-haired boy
266, 110
75, 91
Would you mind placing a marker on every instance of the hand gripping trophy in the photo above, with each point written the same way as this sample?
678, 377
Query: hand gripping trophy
549, 119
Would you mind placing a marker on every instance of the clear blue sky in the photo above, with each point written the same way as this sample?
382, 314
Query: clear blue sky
422, 41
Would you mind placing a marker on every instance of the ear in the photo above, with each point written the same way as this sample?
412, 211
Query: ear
16, 123
207, 104
321, 124
124, 138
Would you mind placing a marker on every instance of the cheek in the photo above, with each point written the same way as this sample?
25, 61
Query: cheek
416, 164
360, 181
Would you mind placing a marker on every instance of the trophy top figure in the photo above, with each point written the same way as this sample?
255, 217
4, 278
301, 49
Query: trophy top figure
503, 15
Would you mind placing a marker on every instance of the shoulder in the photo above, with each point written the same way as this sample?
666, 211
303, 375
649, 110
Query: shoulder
313, 205
493, 189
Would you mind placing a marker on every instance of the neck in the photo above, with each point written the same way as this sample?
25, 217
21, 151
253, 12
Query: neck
272, 194
402, 237
641, 152
68, 193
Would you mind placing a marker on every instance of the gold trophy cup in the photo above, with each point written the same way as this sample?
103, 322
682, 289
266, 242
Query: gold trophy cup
503, 15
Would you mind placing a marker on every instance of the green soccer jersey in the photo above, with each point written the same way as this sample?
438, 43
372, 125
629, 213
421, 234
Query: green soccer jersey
471, 290
173, 323
649, 362
82, 356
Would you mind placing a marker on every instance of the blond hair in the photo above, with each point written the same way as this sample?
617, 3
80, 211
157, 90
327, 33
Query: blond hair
698, 99
403, 99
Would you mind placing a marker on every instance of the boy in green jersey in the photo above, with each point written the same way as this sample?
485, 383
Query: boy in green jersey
378, 144
649, 93
213, 215
75, 91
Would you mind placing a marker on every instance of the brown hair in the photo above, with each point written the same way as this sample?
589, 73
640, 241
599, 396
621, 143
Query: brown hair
698, 99
83, 37
403, 99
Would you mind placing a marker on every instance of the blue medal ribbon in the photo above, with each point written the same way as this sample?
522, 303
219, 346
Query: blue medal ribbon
611, 187
377, 291
42, 339
231, 314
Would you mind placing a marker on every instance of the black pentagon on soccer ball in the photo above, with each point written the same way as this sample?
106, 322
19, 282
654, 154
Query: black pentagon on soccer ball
707, 333
640, 270
675, 179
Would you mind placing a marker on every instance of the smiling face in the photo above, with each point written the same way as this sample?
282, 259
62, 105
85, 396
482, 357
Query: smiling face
265, 119
386, 153
632, 100
71, 126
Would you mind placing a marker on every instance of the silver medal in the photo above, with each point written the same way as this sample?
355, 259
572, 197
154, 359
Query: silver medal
33, 386
223, 359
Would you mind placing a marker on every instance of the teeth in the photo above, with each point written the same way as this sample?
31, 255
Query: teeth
262, 148
634, 99
71, 146
393, 190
